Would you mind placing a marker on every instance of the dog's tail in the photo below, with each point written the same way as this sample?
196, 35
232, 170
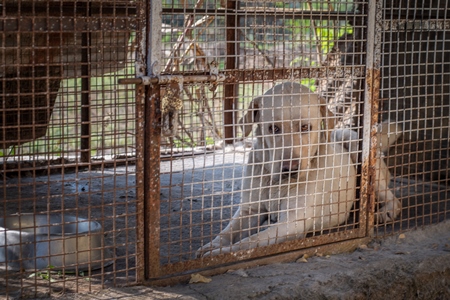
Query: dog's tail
387, 134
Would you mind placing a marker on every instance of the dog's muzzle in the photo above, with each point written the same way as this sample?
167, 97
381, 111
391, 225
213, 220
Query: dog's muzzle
290, 168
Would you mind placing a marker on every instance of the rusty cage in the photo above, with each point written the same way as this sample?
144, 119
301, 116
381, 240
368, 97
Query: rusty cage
132, 131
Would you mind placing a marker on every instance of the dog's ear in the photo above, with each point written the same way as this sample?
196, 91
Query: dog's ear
251, 116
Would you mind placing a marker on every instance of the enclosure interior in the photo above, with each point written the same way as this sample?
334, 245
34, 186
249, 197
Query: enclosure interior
67, 145
414, 93
255, 45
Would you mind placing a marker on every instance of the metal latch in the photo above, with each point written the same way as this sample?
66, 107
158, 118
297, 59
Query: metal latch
165, 79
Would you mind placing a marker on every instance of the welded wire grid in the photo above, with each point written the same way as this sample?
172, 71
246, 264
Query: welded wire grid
256, 44
67, 143
415, 90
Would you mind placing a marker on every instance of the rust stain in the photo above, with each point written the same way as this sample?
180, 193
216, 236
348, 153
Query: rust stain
368, 167
260, 253
140, 149
332, 249
171, 104
152, 180
229, 114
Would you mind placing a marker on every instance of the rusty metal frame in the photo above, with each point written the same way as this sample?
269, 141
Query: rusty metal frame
85, 143
141, 70
371, 96
230, 89
156, 273
81, 21
152, 140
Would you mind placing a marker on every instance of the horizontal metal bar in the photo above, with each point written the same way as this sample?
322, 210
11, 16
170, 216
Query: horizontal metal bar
336, 247
164, 79
267, 12
68, 24
415, 25
233, 76
267, 251
68, 8
295, 73
137, 80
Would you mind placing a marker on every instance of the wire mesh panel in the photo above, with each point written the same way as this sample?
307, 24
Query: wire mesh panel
67, 141
415, 95
226, 148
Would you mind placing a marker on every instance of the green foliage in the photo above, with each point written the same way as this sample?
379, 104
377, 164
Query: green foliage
11, 151
328, 34
183, 143
45, 275
52, 275
209, 141
310, 83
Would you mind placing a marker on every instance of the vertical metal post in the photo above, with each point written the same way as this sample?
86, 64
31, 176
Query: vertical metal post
230, 88
371, 96
152, 143
85, 155
141, 70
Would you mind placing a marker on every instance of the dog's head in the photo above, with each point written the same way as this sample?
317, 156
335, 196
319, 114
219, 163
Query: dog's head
291, 124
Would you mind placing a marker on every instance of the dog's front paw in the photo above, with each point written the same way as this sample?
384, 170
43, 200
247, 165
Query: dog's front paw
220, 241
203, 252
206, 250
389, 212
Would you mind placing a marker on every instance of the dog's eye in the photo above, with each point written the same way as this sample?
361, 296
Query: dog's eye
306, 128
274, 129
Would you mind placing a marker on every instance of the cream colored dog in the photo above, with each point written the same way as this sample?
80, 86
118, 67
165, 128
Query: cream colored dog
296, 180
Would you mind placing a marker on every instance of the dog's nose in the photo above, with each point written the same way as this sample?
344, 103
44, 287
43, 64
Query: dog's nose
290, 166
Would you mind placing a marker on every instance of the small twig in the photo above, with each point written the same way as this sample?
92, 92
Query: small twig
189, 26
208, 21
201, 96
335, 22
261, 51
205, 104
200, 58
211, 123
316, 37
330, 6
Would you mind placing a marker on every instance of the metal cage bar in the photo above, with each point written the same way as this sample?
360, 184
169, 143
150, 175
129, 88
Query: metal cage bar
68, 141
132, 131
179, 228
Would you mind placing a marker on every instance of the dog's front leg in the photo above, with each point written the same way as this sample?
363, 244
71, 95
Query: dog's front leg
244, 222
251, 212
289, 227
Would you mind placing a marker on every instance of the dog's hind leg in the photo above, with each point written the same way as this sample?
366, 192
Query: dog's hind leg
390, 205
388, 133
390, 208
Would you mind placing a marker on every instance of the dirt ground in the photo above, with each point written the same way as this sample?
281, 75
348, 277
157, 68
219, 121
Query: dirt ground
413, 265
197, 190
